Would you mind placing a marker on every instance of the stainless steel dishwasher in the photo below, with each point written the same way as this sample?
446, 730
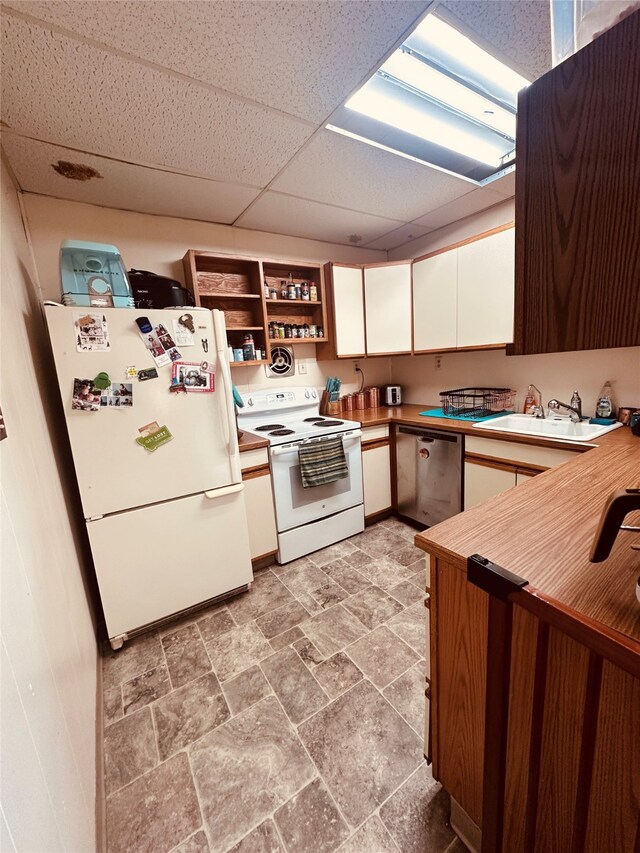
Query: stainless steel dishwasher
429, 466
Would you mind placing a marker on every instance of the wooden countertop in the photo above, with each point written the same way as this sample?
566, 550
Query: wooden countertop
543, 529
249, 441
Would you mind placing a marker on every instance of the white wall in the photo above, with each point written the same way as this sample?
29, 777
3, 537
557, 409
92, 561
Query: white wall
158, 243
555, 374
48, 670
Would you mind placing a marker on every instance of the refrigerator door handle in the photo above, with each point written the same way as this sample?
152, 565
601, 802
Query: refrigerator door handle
222, 493
225, 373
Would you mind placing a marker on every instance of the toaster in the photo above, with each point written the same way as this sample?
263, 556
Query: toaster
392, 395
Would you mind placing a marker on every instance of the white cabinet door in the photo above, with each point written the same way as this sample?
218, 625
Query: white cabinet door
387, 294
435, 299
261, 518
376, 474
348, 306
486, 290
482, 483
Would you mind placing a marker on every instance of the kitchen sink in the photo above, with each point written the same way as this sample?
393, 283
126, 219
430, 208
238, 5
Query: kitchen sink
561, 428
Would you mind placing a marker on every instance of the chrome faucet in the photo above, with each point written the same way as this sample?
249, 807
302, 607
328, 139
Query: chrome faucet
538, 410
574, 414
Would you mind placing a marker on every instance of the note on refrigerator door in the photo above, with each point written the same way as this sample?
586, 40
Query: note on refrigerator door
183, 330
92, 334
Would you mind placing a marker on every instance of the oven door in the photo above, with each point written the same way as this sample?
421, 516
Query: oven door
296, 506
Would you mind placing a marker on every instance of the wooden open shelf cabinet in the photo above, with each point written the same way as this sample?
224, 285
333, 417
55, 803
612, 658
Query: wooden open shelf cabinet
235, 284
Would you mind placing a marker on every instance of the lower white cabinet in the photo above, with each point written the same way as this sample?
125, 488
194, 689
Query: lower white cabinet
376, 474
261, 518
482, 483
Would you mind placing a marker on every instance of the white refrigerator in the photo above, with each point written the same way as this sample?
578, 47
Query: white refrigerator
167, 526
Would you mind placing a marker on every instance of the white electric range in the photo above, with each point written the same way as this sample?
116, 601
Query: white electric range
306, 519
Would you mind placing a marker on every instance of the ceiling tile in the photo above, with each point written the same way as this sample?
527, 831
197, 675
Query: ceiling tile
284, 214
400, 236
338, 170
123, 185
68, 93
520, 31
470, 203
301, 57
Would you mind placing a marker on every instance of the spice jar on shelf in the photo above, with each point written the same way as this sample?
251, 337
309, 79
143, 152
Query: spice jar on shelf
313, 293
248, 347
304, 290
284, 290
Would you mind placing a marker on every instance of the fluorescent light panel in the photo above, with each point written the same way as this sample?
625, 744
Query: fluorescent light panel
422, 77
422, 91
458, 45
388, 110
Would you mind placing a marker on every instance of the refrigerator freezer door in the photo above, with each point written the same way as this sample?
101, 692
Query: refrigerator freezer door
156, 561
114, 473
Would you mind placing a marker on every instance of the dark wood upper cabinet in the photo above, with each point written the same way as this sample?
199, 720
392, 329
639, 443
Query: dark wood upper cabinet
578, 200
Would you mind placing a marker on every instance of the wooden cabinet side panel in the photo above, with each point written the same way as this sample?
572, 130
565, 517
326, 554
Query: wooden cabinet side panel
565, 691
521, 687
578, 265
614, 805
460, 686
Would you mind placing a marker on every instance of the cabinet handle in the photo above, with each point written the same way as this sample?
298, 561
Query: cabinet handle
427, 601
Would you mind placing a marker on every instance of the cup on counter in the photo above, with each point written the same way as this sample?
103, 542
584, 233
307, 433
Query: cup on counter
346, 403
624, 414
373, 397
360, 400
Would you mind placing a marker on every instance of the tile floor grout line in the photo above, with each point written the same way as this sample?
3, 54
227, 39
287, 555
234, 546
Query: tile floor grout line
194, 781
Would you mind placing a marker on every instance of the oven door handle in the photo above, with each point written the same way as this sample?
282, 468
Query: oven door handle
293, 448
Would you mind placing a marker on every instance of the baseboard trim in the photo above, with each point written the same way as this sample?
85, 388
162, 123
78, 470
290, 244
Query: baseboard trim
101, 818
263, 561
378, 516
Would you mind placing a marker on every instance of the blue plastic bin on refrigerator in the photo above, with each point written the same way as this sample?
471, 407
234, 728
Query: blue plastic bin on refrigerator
93, 274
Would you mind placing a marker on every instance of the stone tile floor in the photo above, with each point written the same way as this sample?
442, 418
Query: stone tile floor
286, 720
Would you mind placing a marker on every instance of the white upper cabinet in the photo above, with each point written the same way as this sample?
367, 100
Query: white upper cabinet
435, 302
348, 307
387, 294
486, 290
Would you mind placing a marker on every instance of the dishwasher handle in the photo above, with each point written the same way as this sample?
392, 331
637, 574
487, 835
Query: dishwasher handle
454, 437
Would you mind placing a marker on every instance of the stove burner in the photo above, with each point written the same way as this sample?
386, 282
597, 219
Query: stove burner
315, 420
269, 427
329, 423
282, 432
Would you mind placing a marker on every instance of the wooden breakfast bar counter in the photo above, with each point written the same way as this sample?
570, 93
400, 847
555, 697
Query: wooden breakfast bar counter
535, 688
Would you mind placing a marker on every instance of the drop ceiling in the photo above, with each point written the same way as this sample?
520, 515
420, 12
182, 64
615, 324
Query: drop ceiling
215, 109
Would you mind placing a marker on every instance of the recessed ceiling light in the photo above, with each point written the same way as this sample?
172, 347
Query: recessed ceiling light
439, 99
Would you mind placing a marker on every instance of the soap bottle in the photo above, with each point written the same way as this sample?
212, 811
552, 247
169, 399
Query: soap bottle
604, 406
529, 401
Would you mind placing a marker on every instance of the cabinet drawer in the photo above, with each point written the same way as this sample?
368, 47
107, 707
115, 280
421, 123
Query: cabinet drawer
375, 433
254, 458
